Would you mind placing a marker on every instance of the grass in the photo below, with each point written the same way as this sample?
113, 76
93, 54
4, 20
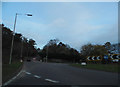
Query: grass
9, 70
102, 67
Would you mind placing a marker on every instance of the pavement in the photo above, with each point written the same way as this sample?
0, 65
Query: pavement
39, 73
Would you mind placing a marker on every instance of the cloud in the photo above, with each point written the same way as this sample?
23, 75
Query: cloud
73, 23
76, 35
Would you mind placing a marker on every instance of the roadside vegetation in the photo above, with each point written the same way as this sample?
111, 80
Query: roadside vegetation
54, 51
101, 67
59, 52
9, 70
21, 45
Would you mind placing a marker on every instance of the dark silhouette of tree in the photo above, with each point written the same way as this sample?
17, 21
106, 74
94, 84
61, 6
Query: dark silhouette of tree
93, 50
60, 51
18, 37
20, 42
108, 45
87, 49
31, 42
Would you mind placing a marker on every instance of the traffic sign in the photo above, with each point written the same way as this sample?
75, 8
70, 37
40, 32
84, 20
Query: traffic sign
106, 57
98, 58
115, 56
93, 58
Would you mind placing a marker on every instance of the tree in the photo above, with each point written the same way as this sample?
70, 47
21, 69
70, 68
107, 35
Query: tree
53, 42
59, 51
32, 51
18, 37
19, 43
99, 50
108, 45
38, 49
31, 42
74, 54
87, 49
6, 43
93, 50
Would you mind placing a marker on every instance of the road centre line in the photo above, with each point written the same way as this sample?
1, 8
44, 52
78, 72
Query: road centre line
33, 75
37, 76
28, 73
52, 81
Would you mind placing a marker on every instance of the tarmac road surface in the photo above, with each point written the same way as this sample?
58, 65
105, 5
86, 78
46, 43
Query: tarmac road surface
38, 73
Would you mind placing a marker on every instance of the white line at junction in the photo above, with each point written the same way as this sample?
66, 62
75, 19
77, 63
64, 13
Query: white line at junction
52, 81
37, 76
28, 73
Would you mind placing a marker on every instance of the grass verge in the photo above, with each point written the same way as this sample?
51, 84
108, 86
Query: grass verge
101, 67
10, 70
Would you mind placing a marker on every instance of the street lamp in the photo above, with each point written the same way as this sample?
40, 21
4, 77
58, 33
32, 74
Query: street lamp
21, 48
14, 35
47, 53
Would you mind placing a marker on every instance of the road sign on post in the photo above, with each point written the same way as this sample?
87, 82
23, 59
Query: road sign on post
98, 57
115, 57
106, 57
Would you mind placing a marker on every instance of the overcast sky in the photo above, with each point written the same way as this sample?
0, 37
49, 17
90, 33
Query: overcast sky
73, 23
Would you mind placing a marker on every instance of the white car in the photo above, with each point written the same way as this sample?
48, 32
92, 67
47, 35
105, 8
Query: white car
83, 63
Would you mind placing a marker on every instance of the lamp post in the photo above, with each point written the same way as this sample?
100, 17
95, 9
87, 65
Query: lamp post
21, 48
21, 55
47, 53
14, 35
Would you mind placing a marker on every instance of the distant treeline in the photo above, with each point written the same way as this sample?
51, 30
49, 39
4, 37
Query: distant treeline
54, 49
59, 50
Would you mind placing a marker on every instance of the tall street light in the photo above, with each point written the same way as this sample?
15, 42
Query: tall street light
21, 48
47, 53
14, 34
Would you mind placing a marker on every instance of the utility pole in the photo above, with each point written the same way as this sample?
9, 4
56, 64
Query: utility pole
13, 39
21, 48
11, 51
47, 53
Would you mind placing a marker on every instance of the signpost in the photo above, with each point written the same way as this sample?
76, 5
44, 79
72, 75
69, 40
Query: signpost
106, 57
93, 58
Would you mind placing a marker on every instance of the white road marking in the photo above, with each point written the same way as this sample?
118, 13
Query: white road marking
52, 81
28, 73
12, 79
23, 71
37, 76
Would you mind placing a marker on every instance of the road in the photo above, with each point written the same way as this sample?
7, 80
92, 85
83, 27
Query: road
37, 73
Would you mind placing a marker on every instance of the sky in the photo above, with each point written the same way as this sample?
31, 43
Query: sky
73, 23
